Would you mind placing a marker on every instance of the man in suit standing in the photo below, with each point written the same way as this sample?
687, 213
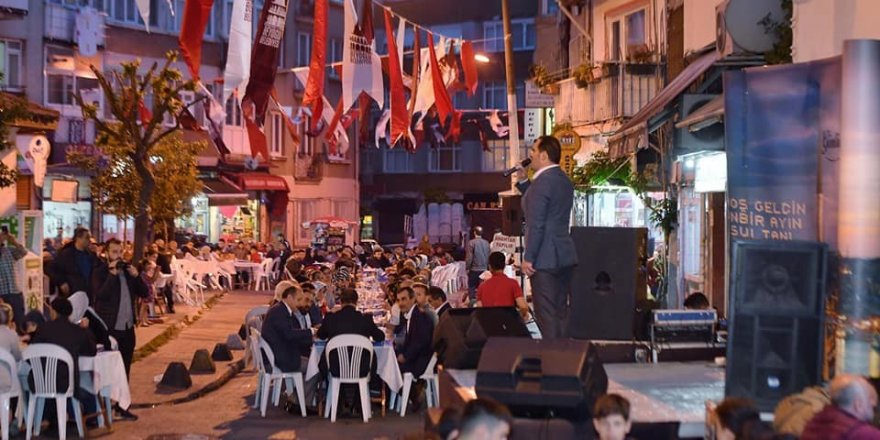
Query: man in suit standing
418, 329
550, 255
288, 341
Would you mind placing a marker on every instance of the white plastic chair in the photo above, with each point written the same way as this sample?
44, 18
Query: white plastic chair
262, 272
253, 352
350, 350
14, 390
45, 377
293, 379
275, 274
432, 391
252, 324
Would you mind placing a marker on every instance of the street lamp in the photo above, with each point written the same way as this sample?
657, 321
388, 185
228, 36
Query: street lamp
481, 58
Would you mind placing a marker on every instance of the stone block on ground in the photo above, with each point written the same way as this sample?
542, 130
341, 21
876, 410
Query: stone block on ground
176, 377
234, 342
202, 363
221, 353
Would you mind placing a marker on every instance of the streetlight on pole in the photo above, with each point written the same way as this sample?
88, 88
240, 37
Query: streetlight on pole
513, 158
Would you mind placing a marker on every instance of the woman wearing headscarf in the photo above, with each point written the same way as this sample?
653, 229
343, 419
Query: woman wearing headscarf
85, 316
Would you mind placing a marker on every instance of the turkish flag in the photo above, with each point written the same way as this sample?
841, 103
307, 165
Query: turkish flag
441, 96
469, 67
399, 112
259, 146
196, 14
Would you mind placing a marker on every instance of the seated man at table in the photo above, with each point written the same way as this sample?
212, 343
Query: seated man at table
437, 300
421, 292
76, 340
500, 290
288, 341
348, 320
418, 329
308, 314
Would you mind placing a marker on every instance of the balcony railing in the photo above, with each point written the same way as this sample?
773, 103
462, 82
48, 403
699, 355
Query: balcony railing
621, 91
13, 8
60, 23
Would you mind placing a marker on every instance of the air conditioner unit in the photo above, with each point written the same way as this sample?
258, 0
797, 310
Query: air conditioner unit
738, 28
710, 138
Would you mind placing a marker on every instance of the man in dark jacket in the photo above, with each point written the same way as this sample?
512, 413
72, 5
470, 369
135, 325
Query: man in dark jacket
849, 416
72, 268
437, 300
418, 329
117, 287
348, 321
288, 343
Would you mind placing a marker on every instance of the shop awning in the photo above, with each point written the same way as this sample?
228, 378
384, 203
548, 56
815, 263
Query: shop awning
708, 114
209, 155
222, 192
262, 182
633, 134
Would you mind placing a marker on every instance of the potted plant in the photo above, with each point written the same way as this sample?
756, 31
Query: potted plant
584, 76
539, 75
640, 61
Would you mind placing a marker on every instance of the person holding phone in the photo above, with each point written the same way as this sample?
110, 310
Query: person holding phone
10, 292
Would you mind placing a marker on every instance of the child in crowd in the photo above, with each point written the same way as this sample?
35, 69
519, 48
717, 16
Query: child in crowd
611, 417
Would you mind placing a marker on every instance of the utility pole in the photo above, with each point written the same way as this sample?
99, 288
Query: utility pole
513, 158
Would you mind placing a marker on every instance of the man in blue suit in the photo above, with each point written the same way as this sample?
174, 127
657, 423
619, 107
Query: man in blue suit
418, 329
550, 255
282, 332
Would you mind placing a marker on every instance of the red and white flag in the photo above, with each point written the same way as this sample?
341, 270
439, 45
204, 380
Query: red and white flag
314, 93
399, 112
196, 14
469, 66
264, 60
441, 95
361, 66
259, 146
238, 57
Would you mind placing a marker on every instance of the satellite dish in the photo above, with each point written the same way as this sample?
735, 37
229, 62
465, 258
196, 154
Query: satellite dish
742, 21
251, 163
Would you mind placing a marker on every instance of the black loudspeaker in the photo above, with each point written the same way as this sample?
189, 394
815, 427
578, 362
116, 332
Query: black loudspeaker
461, 333
776, 320
511, 216
542, 378
608, 283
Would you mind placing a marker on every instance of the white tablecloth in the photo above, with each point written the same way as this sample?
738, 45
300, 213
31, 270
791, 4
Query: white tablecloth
386, 363
108, 371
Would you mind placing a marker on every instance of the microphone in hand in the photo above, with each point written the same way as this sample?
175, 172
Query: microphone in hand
525, 162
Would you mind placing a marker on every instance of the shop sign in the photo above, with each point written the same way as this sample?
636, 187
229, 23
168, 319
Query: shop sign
533, 121
571, 144
482, 205
536, 99
503, 243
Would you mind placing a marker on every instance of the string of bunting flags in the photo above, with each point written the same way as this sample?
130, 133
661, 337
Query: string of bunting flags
419, 107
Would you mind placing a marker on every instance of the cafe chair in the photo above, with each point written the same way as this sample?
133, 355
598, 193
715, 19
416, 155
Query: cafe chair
14, 390
253, 321
253, 352
350, 350
43, 360
432, 390
293, 379
262, 273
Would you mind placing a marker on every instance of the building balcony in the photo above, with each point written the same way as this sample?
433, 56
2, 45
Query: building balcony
61, 24
11, 9
308, 168
617, 90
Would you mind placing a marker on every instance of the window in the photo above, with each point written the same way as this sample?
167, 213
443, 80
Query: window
303, 48
495, 159
125, 11
445, 158
522, 35
60, 87
10, 65
276, 138
307, 143
334, 56
341, 209
495, 95
176, 22
627, 34
551, 7
233, 111
306, 210
397, 160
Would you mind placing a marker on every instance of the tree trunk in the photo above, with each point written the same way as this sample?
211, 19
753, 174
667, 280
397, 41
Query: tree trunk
142, 219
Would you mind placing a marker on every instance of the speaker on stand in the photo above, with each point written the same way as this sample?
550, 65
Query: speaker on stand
777, 305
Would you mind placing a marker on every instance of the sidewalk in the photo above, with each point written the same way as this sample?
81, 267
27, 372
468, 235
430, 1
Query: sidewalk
212, 327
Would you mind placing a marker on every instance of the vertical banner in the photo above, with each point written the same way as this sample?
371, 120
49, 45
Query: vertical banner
238, 57
858, 238
264, 63
775, 119
361, 66
196, 14
399, 113
314, 94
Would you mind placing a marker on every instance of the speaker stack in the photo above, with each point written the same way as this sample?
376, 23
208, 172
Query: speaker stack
776, 320
462, 333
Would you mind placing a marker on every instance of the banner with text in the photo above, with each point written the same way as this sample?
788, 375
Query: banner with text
782, 129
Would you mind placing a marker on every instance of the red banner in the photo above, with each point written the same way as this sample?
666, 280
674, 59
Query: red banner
264, 61
469, 66
196, 14
441, 96
399, 112
314, 94
257, 140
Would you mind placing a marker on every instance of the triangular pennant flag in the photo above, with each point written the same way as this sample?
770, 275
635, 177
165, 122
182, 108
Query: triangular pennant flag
331, 130
454, 132
469, 66
196, 14
441, 96
187, 121
259, 146
264, 59
382, 127
238, 56
315, 84
361, 66
143, 7
399, 112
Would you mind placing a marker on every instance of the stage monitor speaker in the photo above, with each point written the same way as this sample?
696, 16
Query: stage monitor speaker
461, 333
608, 283
776, 312
542, 378
511, 216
